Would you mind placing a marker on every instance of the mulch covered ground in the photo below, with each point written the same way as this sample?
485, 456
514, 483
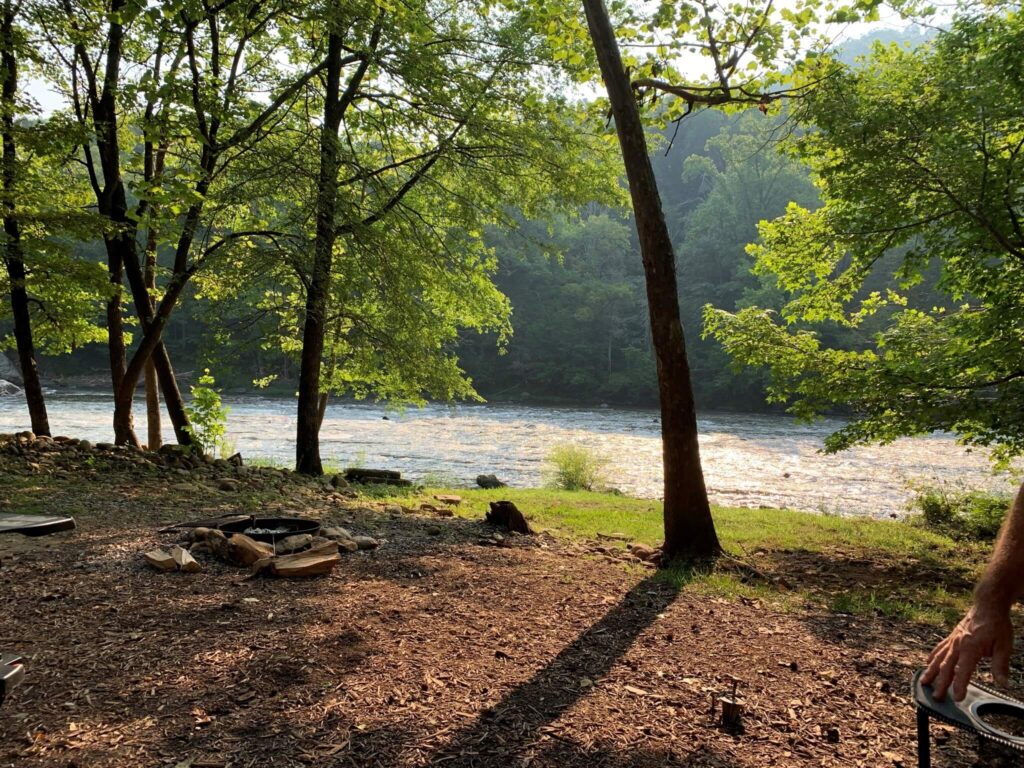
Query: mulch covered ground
432, 650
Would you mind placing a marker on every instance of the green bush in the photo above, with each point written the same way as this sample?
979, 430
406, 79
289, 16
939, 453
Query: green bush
207, 417
575, 467
961, 514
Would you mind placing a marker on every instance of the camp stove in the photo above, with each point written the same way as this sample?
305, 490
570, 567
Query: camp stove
990, 714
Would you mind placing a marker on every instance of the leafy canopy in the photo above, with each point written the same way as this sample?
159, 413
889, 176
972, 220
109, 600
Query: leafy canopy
916, 153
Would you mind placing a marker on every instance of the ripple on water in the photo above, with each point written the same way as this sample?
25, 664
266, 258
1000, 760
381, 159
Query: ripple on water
749, 459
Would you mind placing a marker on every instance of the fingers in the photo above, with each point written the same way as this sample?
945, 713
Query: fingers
935, 659
946, 669
1001, 660
970, 655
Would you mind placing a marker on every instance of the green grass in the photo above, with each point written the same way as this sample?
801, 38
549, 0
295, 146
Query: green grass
843, 564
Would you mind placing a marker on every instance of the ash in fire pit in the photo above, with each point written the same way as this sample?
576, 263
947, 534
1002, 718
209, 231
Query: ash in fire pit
271, 529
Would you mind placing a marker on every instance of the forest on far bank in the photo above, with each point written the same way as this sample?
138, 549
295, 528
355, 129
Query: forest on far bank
580, 332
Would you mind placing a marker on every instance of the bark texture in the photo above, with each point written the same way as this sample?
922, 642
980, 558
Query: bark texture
689, 529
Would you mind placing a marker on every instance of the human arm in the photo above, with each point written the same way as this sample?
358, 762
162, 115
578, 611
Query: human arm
986, 631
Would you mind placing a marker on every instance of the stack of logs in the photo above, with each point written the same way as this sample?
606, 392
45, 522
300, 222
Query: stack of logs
241, 550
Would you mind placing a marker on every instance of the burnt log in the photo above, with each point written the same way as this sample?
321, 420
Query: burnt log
505, 514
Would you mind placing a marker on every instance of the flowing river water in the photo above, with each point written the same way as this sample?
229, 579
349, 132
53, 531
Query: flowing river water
750, 460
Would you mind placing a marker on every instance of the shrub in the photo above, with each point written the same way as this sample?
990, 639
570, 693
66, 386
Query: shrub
575, 467
207, 416
960, 513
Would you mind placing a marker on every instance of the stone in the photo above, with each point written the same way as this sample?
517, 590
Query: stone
8, 388
235, 459
335, 533
104, 446
291, 544
393, 509
366, 542
449, 499
433, 530
10, 370
645, 553
339, 482
84, 445
228, 484
347, 545
489, 481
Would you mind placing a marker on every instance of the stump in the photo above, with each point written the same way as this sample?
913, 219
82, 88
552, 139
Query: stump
506, 515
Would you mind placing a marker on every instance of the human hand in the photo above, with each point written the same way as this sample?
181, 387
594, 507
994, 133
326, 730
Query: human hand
985, 632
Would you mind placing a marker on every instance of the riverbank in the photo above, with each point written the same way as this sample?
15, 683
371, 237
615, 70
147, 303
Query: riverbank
443, 645
749, 460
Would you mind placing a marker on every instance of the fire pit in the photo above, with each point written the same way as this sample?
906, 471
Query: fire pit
270, 529
990, 714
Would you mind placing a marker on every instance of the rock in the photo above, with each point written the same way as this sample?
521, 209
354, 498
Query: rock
433, 530
645, 553
489, 481
84, 445
393, 509
10, 370
336, 534
832, 735
228, 484
104, 446
235, 459
200, 548
347, 545
366, 542
25, 436
8, 388
339, 482
449, 499
291, 544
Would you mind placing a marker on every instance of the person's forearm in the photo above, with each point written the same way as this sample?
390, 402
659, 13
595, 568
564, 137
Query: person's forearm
1003, 581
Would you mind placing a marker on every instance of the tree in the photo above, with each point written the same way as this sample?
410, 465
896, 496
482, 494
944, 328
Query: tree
448, 134
52, 295
918, 157
13, 256
689, 529
745, 44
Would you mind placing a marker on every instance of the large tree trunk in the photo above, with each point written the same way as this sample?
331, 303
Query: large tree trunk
12, 247
307, 437
689, 529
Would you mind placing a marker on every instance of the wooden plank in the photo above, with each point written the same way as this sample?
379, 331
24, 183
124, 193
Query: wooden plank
314, 562
184, 560
160, 559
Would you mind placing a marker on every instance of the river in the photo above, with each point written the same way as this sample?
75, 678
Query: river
750, 460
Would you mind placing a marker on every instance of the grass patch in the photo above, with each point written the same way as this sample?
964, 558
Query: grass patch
846, 565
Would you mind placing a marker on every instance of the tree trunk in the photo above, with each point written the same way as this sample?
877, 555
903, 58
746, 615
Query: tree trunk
689, 529
13, 256
307, 437
153, 433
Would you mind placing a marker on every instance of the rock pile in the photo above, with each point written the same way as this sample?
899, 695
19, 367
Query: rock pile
68, 456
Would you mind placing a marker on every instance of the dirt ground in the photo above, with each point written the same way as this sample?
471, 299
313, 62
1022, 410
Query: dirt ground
432, 650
